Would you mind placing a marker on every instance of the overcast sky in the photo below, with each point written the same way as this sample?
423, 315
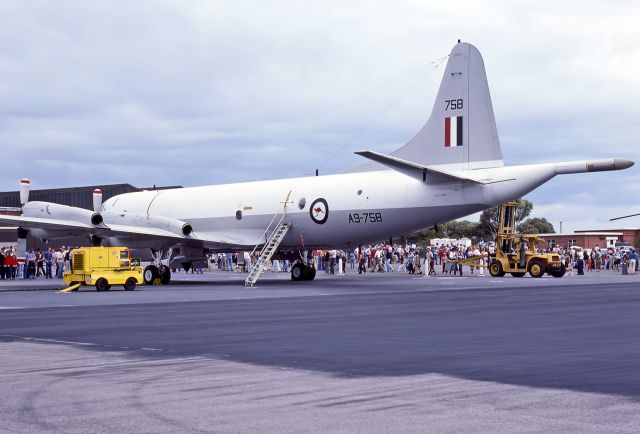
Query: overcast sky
207, 92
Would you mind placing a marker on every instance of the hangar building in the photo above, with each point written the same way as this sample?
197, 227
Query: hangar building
81, 197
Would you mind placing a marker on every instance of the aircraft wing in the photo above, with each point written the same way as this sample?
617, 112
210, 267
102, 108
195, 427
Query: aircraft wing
45, 223
71, 228
426, 173
232, 238
213, 239
139, 233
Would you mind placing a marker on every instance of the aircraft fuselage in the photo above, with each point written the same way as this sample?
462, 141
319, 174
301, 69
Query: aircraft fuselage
334, 210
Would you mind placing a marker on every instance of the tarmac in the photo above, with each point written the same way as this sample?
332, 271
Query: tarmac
354, 353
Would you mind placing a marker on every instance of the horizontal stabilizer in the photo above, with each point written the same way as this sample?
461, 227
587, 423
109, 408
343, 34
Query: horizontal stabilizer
424, 173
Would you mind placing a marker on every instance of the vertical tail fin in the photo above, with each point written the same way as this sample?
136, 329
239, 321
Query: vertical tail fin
461, 129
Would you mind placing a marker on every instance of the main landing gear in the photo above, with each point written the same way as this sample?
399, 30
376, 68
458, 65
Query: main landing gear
300, 272
153, 272
158, 270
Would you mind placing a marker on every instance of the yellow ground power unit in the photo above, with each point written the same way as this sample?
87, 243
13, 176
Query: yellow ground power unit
103, 267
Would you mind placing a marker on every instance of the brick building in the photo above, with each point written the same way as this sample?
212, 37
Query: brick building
589, 239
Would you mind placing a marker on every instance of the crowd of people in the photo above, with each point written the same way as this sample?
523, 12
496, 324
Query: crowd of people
36, 263
383, 258
433, 260
621, 259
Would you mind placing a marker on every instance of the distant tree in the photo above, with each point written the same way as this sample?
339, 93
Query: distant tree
423, 237
536, 225
462, 229
488, 227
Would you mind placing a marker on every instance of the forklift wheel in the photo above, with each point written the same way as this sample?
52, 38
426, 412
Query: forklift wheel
536, 268
495, 269
518, 274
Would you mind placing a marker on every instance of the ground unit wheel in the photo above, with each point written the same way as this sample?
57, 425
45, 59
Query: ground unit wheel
102, 284
495, 269
130, 284
536, 268
518, 274
150, 274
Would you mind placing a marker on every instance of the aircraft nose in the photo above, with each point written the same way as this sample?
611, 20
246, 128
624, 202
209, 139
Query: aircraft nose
622, 163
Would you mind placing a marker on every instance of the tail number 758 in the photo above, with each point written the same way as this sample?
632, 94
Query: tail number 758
365, 217
453, 104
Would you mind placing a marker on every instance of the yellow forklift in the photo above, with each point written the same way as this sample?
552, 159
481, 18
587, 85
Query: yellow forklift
103, 267
517, 253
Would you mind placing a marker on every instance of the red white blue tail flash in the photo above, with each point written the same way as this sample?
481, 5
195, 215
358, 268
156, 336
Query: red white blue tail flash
453, 131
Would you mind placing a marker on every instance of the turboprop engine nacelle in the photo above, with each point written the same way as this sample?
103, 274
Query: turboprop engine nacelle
55, 211
157, 222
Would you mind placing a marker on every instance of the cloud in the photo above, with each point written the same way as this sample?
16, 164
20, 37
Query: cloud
195, 92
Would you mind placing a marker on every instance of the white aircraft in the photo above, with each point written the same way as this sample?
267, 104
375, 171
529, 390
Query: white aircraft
452, 168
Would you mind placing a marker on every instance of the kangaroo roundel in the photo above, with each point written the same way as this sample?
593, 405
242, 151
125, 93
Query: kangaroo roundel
319, 211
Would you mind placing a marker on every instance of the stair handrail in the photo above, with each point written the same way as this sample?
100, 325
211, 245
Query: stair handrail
281, 216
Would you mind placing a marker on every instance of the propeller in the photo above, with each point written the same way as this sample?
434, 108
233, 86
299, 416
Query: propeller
25, 185
97, 200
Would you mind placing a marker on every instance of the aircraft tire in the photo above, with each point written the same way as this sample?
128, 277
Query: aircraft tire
130, 284
495, 269
165, 274
536, 268
102, 284
298, 272
150, 274
311, 273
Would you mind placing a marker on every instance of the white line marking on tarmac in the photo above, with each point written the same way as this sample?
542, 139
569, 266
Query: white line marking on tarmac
86, 344
53, 341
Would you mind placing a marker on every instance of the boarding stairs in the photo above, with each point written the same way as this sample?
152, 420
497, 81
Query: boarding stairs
274, 234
